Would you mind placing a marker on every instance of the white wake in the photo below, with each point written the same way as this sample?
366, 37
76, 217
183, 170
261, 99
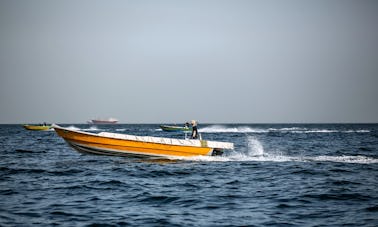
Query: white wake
255, 152
248, 129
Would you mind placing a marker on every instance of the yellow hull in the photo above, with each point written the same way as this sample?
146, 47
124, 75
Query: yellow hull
37, 127
97, 144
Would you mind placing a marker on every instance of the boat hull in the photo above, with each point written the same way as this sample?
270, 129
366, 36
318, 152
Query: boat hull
103, 122
95, 144
37, 127
169, 128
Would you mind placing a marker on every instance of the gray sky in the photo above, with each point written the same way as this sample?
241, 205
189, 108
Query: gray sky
172, 61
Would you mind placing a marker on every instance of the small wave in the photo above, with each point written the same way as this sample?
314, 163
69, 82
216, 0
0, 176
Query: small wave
159, 199
59, 212
316, 131
372, 208
23, 151
340, 196
7, 192
92, 128
120, 129
329, 131
362, 131
66, 172
287, 129
110, 183
345, 159
220, 129
73, 128
23, 170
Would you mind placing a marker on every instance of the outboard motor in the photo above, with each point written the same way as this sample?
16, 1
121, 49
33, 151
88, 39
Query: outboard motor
217, 152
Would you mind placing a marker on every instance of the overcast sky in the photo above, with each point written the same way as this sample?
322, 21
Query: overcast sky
173, 61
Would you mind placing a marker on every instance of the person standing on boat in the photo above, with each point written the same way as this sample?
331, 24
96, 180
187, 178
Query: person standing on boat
194, 129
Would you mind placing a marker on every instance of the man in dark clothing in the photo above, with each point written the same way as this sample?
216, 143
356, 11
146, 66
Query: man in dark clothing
194, 130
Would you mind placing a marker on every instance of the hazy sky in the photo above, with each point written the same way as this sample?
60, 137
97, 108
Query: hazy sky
172, 61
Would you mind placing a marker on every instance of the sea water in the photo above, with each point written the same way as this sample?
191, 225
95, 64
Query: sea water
279, 175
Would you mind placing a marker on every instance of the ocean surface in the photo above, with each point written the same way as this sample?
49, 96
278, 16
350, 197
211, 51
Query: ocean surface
277, 175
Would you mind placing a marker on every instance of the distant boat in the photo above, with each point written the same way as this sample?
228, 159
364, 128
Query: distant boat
173, 128
37, 127
107, 143
103, 121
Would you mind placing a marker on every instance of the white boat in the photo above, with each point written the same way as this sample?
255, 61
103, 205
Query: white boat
103, 121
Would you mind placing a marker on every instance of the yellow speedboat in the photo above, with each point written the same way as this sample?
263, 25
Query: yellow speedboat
106, 143
37, 127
